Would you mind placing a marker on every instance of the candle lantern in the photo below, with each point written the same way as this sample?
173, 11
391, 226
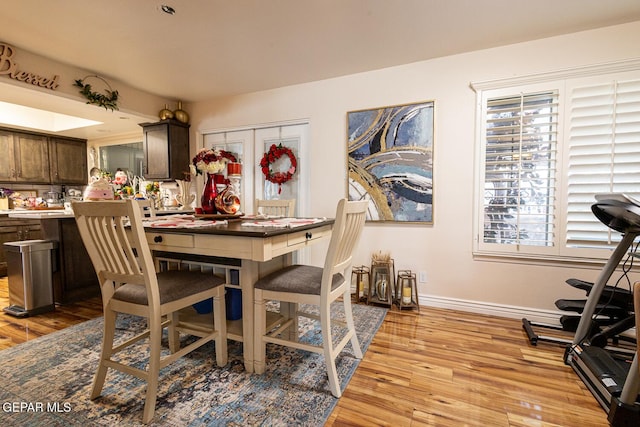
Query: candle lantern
382, 283
407, 290
360, 279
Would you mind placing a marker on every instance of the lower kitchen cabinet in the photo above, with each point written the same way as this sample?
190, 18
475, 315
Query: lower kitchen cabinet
12, 230
75, 279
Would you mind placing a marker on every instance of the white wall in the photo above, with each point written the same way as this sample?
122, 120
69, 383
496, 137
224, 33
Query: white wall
443, 250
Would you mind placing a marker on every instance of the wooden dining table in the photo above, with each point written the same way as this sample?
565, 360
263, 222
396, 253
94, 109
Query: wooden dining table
254, 247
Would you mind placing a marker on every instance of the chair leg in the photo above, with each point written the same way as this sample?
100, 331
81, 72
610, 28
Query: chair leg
351, 326
289, 310
220, 325
174, 335
294, 332
155, 336
329, 353
107, 346
260, 325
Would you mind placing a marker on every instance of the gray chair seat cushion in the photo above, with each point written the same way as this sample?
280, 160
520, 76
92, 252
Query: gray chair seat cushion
172, 285
301, 279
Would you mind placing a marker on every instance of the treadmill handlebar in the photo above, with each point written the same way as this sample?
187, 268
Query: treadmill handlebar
617, 215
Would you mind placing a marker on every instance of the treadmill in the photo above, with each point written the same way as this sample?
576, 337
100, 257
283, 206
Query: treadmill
612, 378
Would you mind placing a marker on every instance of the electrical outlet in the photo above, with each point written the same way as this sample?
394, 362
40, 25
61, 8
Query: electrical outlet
423, 277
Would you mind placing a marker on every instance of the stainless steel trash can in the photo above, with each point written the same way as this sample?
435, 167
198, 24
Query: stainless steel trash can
30, 274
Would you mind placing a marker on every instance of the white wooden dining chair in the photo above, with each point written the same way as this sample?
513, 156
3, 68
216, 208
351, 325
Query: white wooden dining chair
129, 283
304, 284
148, 207
284, 208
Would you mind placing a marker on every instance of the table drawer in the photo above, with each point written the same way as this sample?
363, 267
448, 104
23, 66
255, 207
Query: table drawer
158, 240
305, 236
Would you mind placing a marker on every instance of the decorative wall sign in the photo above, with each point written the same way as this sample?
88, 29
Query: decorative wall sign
390, 161
9, 67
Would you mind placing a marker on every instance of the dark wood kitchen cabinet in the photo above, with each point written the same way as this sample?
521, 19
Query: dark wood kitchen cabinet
166, 150
68, 161
12, 230
25, 157
75, 278
34, 158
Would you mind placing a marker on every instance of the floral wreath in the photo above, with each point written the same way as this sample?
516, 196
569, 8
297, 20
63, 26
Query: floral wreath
274, 153
108, 101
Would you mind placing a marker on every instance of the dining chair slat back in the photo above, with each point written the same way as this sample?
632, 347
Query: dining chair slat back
283, 208
306, 284
113, 235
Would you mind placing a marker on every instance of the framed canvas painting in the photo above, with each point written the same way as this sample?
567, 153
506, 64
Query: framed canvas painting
390, 161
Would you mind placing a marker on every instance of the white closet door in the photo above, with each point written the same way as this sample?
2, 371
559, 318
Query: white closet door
296, 138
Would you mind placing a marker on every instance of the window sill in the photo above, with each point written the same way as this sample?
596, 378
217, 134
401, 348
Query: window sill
569, 262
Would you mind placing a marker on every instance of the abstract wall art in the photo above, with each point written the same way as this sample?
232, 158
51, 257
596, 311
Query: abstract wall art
390, 161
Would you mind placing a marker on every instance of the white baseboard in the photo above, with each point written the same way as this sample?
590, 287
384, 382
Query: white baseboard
512, 312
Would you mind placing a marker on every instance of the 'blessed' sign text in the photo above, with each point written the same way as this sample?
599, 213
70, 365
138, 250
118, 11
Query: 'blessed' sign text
9, 67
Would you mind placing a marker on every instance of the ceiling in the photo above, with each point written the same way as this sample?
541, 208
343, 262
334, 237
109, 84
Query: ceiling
213, 48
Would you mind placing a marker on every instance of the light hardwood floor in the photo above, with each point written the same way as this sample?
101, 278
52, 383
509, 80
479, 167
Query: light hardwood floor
450, 368
18, 330
436, 368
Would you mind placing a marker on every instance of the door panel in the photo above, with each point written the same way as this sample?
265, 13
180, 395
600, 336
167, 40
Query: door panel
294, 137
7, 166
32, 158
240, 143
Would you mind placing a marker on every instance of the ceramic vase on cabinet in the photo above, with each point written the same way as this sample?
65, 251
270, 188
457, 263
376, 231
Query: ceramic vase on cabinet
165, 113
181, 115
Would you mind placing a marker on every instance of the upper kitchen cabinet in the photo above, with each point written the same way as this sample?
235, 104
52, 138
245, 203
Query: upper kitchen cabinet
25, 159
68, 161
41, 159
166, 150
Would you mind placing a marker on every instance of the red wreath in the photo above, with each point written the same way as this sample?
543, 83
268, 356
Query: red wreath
274, 153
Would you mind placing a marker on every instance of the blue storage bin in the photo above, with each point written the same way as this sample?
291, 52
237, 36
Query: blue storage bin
233, 300
204, 307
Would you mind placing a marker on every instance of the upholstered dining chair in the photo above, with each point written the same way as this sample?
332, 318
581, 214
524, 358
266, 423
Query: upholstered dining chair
304, 284
284, 208
114, 237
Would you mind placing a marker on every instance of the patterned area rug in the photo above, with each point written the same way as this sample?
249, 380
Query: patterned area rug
47, 382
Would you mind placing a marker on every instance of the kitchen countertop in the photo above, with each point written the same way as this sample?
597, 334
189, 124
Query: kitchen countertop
62, 214
43, 214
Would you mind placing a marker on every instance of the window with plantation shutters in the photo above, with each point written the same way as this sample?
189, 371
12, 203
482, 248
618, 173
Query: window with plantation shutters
604, 155
520, 169
548, 144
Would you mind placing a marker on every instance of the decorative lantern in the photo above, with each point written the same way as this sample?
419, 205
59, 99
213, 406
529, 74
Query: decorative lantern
381, 285
362, 279
407, 290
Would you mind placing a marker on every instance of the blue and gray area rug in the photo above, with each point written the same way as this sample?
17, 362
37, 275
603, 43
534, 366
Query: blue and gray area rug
47, 382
